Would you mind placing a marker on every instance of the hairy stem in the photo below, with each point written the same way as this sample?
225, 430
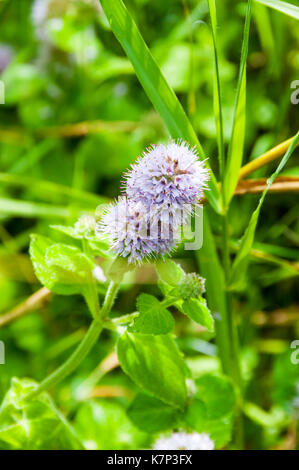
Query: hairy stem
82, 350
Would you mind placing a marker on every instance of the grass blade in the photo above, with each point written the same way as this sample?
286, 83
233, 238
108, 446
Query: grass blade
12, 207
241, 262
51, 189
154, 83
235, 151
212, 271
217, 88
284, 7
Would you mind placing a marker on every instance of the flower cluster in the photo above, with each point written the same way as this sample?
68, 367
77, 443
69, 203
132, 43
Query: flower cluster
131, 231
192, 285
184, 441
160, 190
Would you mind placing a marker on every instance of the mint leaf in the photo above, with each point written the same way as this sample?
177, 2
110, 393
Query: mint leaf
197, 310
170, 272
104, 424
149, 413
155, 364
153, 318
61, 268
212, 408
35, 424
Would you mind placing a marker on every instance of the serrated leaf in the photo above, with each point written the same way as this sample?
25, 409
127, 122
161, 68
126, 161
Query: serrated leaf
153, 319
155, 364
197, 310
170, 272
104, 425
212, 408
217, 393
98, 246
118, 268
149, 413
61, 268
219, 430
67, 230
35, 424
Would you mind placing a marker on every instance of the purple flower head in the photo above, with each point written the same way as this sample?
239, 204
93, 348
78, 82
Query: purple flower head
169, 176
161, 191
133, 233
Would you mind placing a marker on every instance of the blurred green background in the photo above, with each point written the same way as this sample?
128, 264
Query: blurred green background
74, 118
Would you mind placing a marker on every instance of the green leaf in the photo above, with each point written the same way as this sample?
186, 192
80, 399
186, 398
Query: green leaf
67, 230
219, 430
241, 261
22, 81
104, 425
284, 7
61, 268
197, 310
98, 246
154, 83
212, 408
33, 425
149, 413
170, 272
118, 268
14, 207
217, 89
211, 269
155, 364
217, 393
236, 146
153, 319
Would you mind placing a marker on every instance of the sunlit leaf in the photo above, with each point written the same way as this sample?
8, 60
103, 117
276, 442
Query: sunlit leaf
149, 413
153, 318
35, 424
155, 364
235, 152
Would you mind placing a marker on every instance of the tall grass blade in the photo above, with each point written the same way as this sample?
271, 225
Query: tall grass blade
284, 7
236, 146
15, 208
241, 262
154, 83
212, 271
217, 88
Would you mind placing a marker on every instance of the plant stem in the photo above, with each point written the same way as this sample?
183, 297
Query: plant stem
72, 362
111, 324
233, 366
82, 350
267, 157
91, 295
